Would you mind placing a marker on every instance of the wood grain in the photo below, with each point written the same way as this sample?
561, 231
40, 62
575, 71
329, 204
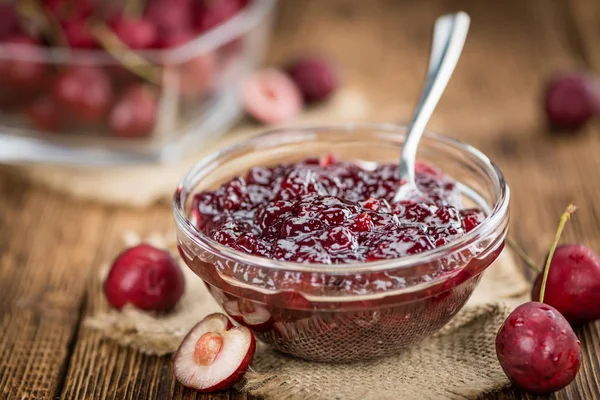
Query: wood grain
51, 247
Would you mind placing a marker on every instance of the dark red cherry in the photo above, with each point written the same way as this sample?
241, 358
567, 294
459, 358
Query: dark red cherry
134, 113
571, 100
315, 76
211, 13
145, 277
538, 349
83, 92
79, 34
573, 285
45, 114
24, 70
135, 33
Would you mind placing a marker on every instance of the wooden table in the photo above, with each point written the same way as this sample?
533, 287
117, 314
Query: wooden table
50, 246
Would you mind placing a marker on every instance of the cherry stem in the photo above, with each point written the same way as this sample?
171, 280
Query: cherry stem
129, 59
561, 225
522, 254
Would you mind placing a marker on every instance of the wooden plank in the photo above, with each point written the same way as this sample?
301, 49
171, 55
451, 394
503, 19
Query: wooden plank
44, 260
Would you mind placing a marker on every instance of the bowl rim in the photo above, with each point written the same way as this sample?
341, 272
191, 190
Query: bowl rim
249, 17
494, 220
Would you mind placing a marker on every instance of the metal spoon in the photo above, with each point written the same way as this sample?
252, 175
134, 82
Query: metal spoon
449, 34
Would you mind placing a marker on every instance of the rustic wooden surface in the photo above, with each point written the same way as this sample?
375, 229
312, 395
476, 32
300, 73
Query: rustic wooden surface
50, 246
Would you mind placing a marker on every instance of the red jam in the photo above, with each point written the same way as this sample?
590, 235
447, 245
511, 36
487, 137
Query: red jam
332, 212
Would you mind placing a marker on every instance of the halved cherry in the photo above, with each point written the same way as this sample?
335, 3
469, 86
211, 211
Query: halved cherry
271, 97
214, 355
255, 316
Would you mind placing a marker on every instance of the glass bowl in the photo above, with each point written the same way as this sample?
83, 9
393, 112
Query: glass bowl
348, 312
195, 87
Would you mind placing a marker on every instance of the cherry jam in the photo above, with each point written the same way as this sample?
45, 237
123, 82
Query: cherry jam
332, 212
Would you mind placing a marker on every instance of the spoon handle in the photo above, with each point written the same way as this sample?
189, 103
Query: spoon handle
449, 34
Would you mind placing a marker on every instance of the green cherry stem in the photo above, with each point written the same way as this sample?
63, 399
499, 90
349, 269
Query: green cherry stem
522, 254
561, 225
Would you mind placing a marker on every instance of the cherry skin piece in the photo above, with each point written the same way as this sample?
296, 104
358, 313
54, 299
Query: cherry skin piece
214, 355
573, 285
571, 100
315, 76
271, 97
135, 33
134, 114
84, 93
145, 277
45, 114
538, 349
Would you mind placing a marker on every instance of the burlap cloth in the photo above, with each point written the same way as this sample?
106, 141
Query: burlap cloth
459, 362
139, 186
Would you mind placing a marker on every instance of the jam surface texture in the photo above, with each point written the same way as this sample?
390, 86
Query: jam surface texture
332, 212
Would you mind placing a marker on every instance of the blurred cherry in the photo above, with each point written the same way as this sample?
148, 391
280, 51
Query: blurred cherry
135, 33
571, 100
174, 39
44, 113
22, 70
134, 113
315, 76
65, 10
83, 92
169, 16
79, 35
9, 21
211, 13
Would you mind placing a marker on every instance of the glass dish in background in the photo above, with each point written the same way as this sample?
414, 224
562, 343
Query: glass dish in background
355, 311
197, 91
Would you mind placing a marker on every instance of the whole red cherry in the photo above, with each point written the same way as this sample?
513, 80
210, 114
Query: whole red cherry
134, 113
135, 33
538, 349
44, 113
23, 70
573, 285
211, 13
9, 21
145, 277
315, 76
536, 346
571, 100
78, 34
169, 16
83, 92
